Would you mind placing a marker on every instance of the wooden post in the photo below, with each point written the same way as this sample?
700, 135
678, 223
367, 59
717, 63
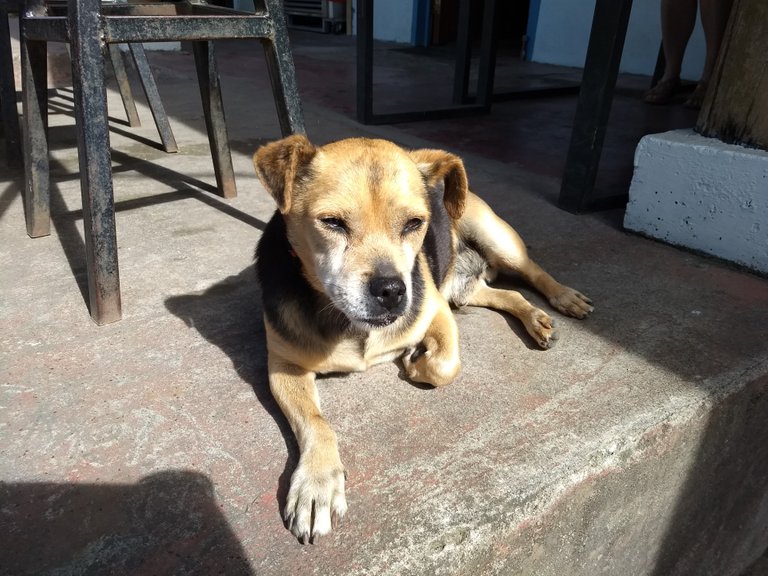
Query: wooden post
735, 109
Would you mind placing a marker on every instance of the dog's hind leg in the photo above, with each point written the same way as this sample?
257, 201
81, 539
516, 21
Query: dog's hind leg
537, 322
505, 251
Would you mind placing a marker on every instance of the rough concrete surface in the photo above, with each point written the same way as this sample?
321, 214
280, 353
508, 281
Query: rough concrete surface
636, 446
703, 194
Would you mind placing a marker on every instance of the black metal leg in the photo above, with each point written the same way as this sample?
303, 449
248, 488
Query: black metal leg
121, 76
282, 73
153, 97
463, 53
365, 113
95, 160
606, 42
87, 31
364, 61
34, 79
213, 109
487, 69
10, 114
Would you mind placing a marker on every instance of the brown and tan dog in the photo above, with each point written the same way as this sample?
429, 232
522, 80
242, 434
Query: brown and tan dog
369, 247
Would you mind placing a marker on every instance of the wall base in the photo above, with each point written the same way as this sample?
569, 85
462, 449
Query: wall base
703, 194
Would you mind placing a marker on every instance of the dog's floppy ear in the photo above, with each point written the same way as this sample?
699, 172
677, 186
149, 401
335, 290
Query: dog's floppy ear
439, 166
278, 163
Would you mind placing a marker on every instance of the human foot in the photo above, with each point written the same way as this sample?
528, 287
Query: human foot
696, 99
663, 92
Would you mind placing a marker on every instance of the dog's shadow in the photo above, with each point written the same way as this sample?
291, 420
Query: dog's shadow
514, 283
229, 315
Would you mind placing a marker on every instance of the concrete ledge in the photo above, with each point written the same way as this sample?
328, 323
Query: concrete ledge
635, 447
703, 194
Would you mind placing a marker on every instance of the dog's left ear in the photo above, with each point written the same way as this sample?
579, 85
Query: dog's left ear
278, 165
440, 166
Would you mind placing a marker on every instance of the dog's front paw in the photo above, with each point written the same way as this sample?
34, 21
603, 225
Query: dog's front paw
572, 303
316, 500
424, 364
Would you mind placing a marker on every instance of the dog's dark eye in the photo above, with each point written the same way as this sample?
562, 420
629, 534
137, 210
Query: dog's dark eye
412, 225
335, 224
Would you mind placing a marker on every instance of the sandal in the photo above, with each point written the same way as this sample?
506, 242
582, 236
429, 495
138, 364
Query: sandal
663, 92
696, 99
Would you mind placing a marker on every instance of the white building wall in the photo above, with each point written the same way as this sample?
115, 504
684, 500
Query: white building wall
562, 34
392, 20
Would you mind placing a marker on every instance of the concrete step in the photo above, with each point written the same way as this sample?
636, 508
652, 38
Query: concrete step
636, 446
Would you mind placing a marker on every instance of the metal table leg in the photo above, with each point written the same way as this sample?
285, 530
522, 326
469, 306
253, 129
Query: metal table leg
606, 43
365, 113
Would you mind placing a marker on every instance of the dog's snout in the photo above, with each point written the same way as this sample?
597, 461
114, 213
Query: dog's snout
388, 291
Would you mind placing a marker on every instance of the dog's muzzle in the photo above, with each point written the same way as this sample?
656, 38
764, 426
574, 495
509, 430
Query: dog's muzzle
389, 298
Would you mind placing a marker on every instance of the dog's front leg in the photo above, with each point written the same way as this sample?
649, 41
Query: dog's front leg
316, 497
436, 360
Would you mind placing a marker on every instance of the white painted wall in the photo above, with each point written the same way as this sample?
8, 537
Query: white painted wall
701, 193
392, 20
562, 34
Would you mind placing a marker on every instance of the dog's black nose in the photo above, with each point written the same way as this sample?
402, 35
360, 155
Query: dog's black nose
388, 291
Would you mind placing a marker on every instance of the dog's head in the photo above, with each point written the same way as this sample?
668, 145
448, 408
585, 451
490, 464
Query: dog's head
356, 213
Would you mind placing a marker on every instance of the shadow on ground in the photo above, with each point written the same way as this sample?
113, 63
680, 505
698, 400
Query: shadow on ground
719, 518
228, 315
167, 523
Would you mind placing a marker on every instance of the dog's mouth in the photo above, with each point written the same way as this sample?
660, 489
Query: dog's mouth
379, 321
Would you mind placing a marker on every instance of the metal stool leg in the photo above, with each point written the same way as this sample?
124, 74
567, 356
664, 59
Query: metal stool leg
282, 73
213, 108
10, 114
153, 97
95, 161
121, 76
34, 78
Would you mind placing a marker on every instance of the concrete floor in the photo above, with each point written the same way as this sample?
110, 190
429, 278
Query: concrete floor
152, 446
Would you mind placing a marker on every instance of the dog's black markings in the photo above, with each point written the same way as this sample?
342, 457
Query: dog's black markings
468, 261
286, 292
283, 284
470, 266
437, 242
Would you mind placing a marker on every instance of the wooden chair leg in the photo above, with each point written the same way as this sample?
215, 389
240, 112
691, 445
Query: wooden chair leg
95, 161
213, 109
123, 85
282, 73
153, 97
34, 79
